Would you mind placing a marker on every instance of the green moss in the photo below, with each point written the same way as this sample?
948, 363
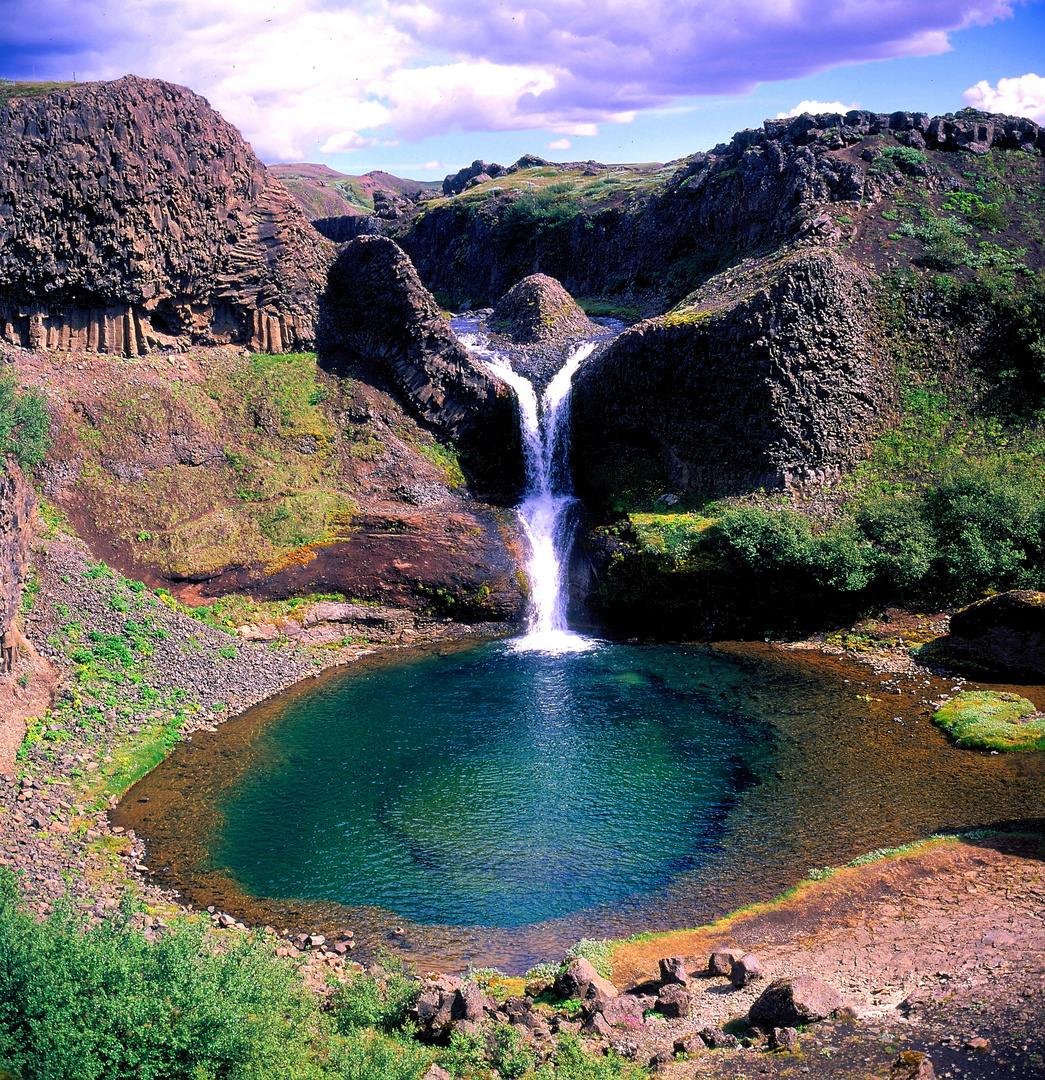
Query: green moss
988, 720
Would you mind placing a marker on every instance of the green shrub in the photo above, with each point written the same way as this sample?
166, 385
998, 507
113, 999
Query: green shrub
375, 1001
902, 543
24, 423
101, 1002
905, 158
986, 527
762, 540
597, 951
374, 1055
510, 1054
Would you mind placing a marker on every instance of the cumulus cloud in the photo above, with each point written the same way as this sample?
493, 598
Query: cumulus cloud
338, 75
817, 107
559, 144
1024, 96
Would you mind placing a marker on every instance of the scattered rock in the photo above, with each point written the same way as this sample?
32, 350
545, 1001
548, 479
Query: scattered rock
624, 1009
785, 1038
579, 977
673, 970
912, 1065
714, 1039
673, 1001
721, 961
794, 1001
745, 970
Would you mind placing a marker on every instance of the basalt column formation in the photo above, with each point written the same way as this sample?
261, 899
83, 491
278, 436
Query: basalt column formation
132, 216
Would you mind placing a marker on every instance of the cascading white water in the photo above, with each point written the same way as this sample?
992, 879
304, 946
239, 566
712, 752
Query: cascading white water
545, 509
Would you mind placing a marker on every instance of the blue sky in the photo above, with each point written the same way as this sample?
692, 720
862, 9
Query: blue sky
421, 87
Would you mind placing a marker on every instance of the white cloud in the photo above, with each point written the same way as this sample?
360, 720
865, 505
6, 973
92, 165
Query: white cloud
1023, 96
559, 144
297, 75
429, 165
817, 107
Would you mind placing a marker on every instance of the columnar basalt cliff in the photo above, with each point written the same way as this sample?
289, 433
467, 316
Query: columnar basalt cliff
18, 517
766, 376
133, 216
376, 313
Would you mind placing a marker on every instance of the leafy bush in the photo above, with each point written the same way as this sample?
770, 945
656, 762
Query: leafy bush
905, 158
24, 423
986, 527
761, 539
87, 1003
375, 1001
902, 543
374, 1055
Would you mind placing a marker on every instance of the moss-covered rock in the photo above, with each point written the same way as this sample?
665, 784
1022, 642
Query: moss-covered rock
987, 720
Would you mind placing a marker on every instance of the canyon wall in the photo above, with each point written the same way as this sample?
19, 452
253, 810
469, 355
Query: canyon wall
18, 519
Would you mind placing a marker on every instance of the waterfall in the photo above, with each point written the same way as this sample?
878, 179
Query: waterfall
546, 509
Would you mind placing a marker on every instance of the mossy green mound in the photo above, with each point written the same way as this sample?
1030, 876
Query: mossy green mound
993, 721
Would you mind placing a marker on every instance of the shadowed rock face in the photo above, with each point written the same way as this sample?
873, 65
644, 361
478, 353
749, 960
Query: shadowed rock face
766, 377
539, 309
1004, 633
377, 315
18, 517
133, 216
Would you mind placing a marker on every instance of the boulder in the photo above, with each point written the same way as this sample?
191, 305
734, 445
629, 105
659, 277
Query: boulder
1004, 633
912, 1065
539, 309
792, 1002
715, 1039
458, 181
721, 961
673, 970
579, 979
769, 375
785, 1038
745, 970
623, 1009
673, 1001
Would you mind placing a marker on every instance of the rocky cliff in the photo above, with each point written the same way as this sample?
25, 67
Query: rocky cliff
377, 315
662, 235
767, 376
133, 216
18, 518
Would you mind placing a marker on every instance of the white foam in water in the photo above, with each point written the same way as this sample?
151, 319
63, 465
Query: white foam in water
545, 509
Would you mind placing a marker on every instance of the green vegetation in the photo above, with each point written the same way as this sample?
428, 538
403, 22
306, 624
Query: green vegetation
987, 720
24, 423
9, 89
82, 1001
905, 158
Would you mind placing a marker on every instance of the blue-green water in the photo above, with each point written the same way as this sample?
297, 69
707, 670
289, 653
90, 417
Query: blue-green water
489, 787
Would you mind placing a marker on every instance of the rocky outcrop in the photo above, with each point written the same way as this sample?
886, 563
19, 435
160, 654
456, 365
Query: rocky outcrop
132, 216
18, 519
765, 186
458, 181
539, 309
1003, 634
376, 313
765, 377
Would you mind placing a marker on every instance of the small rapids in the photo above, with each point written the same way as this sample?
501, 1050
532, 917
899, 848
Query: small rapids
548, 511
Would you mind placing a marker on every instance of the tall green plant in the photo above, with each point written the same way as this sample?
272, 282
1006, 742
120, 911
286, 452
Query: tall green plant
24, 423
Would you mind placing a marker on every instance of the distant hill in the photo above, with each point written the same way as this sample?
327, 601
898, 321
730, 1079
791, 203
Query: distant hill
322, 192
